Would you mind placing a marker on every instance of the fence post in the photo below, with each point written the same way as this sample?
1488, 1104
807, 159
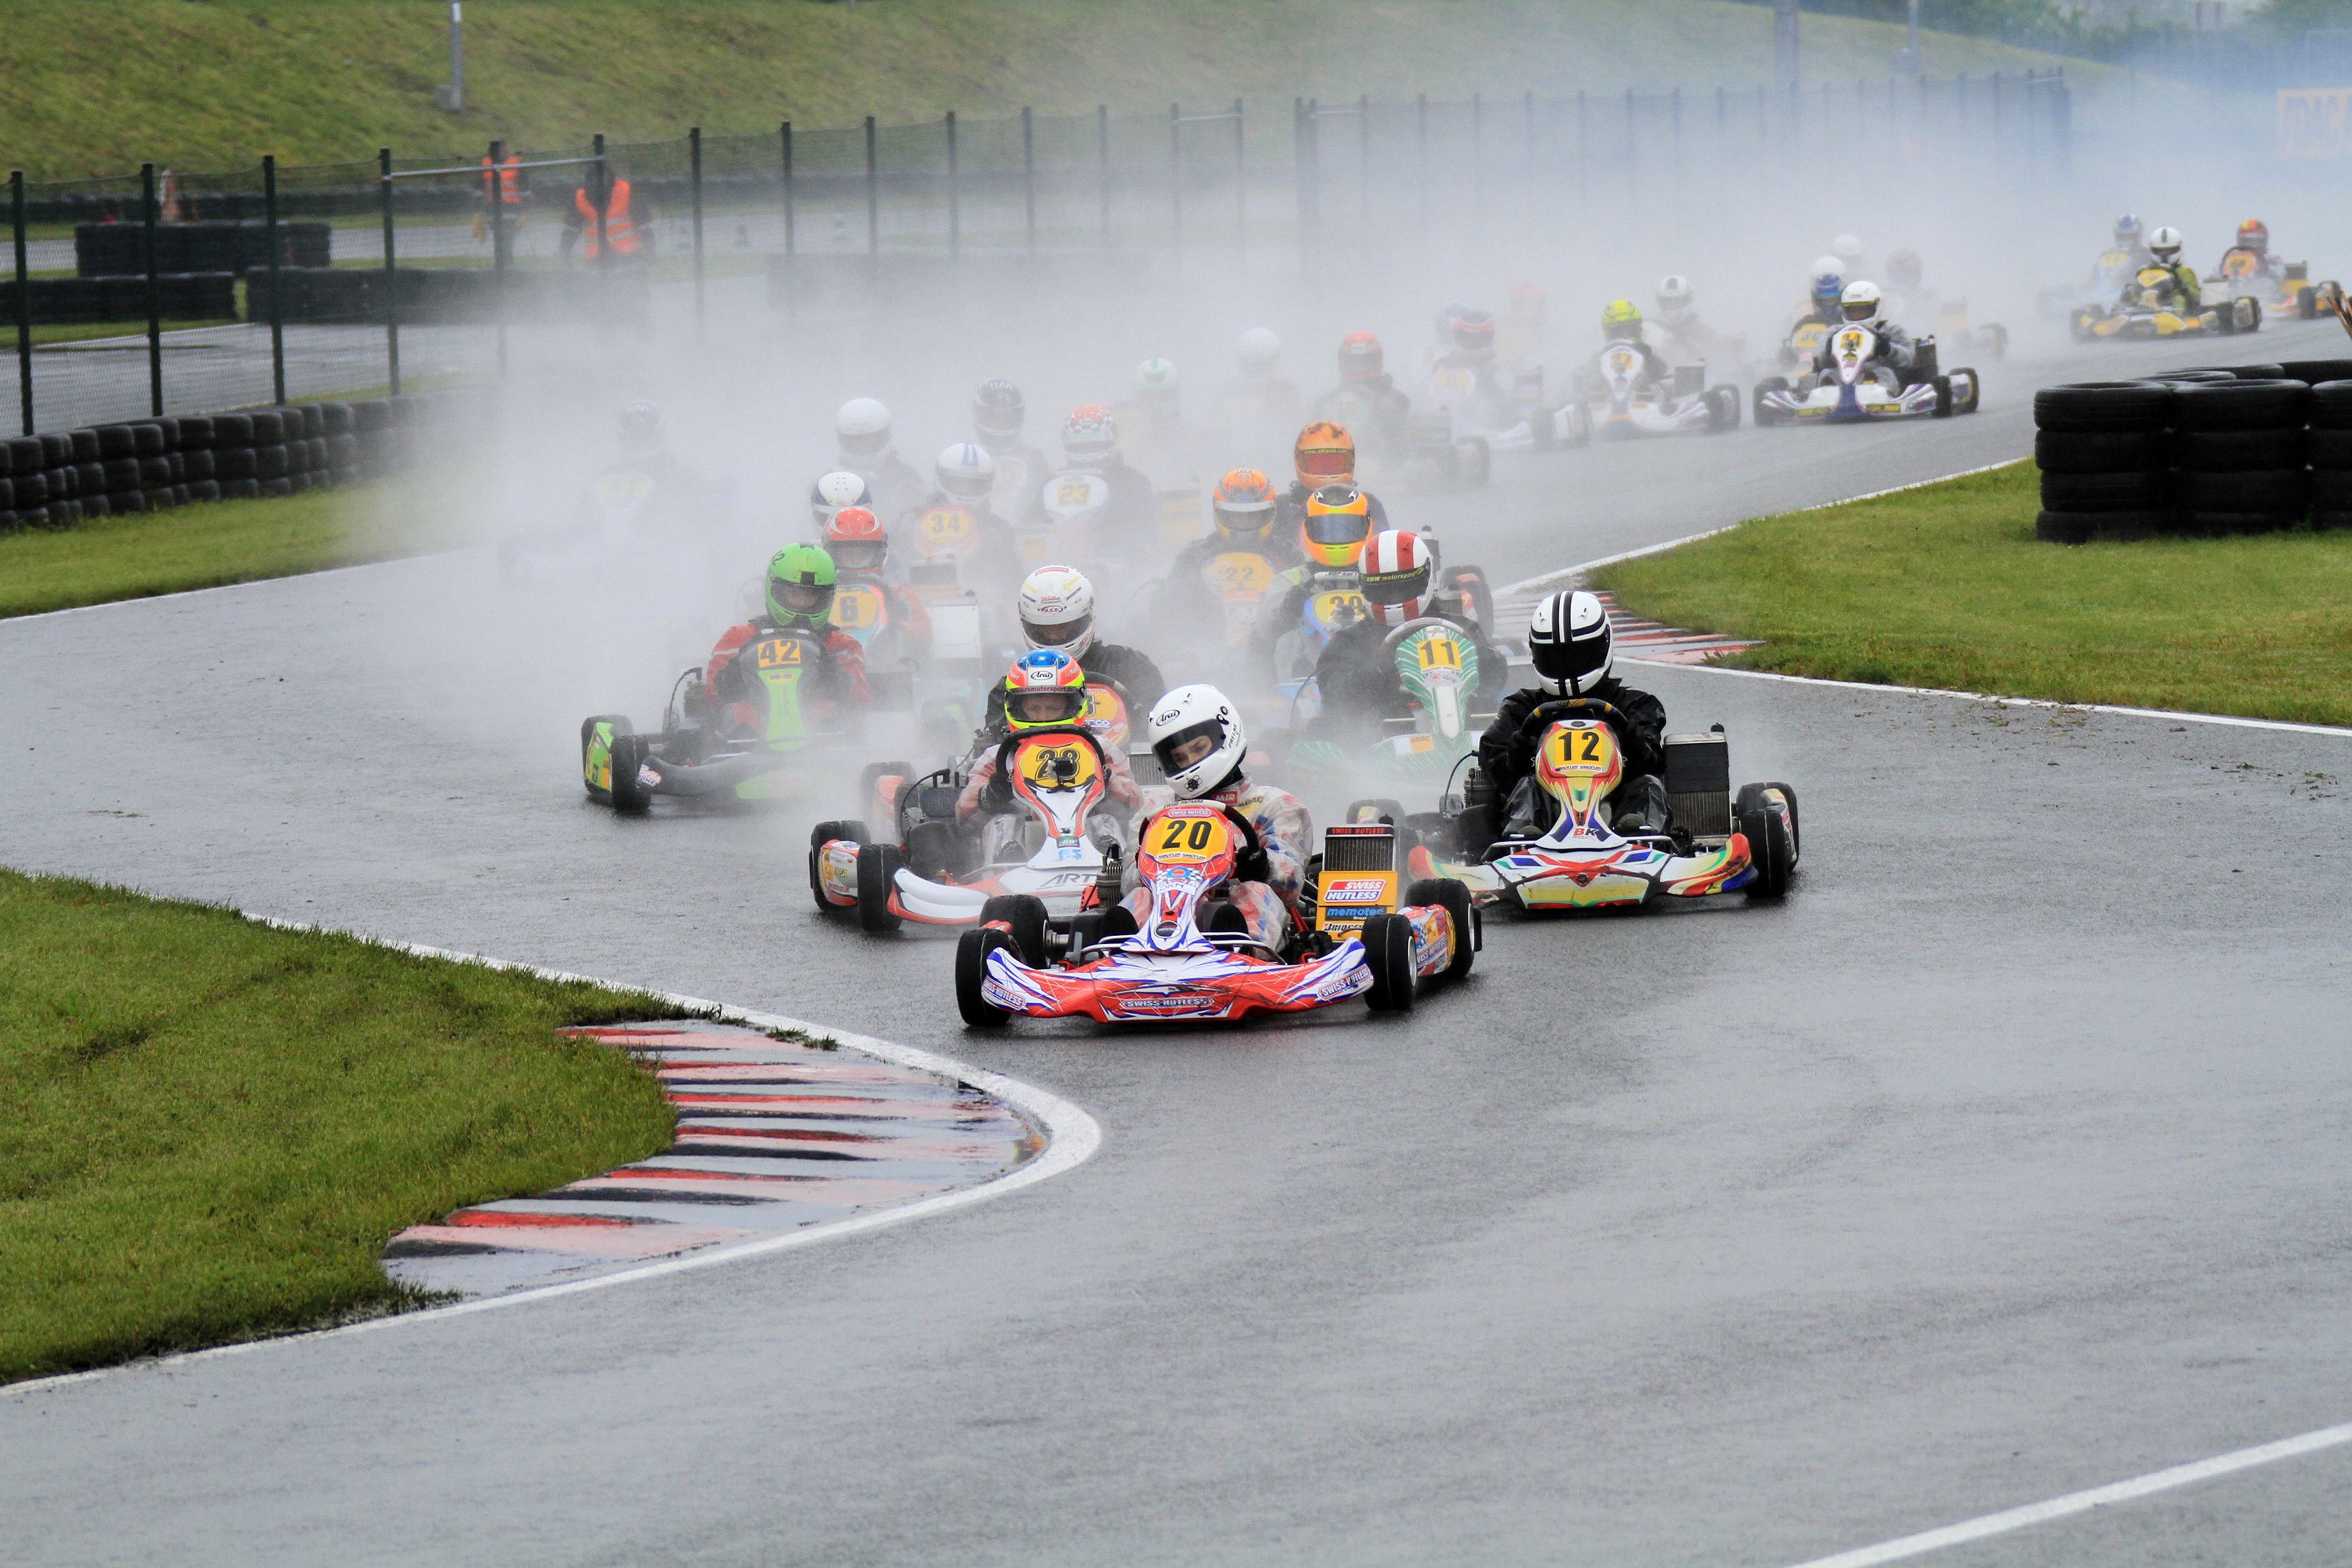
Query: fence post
1176, 179
1633, 148
694, 155
1421, 155
602, 173
1477, 155
873, 193
24, 300
790, 237
391, 281
1029, 175
1674, 109
1241, 186
1364, 160
276, 295
1583, 150
955, 195
1102, 145
155, 294
1529, 108
494, 193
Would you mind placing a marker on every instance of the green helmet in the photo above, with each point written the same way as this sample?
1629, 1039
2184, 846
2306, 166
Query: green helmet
799, 587
1621, 321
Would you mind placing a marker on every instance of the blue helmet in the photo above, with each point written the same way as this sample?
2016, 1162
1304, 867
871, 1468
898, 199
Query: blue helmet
1829, 283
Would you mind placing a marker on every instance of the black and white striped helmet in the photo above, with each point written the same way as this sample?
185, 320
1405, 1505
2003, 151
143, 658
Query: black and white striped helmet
1569, 641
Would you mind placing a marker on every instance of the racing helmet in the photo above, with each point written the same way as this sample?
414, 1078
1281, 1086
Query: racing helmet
1621, 323
864, 426
997, 410
857, 539
1527, 302
837, 489
1325, 454
1569, 641
1859, 300
1338, 520
967, 473
1847, 249
1196, 732
2164, 245
2127, 231
2253, 235
801, 579
1398, 572
1057, 610
1155, 383
1473, 333
1257, 350
1674, 295
1829, 281
1904, 269
640, 427
1445, 315
1359, 357
1244, 507
1090, 437
1045, 686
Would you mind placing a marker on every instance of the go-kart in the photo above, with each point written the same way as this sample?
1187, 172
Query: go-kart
704, 749
1051, 846
2150, 308
1991, 338
1101, 964
1804, 342
1461, 398
1437, 668
2113, 270
2282, 288
1853, 390
1718, 843
1621, 407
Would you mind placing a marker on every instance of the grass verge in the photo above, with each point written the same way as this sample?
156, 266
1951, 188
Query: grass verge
210, 544
1947, 586
208, 1128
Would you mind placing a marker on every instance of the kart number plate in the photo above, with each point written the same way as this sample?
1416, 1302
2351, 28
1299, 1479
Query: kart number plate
1241, 576
946, 530
1067, 766
858, 607
1577, 748
1335, 609
1107, 715
1186, 838
778, 653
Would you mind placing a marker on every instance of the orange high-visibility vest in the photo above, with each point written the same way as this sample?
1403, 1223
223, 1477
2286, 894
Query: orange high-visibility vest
618, 230
508, 181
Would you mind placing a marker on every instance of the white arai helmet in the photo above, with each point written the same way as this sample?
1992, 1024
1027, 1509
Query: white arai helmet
1197, 735
1057, 610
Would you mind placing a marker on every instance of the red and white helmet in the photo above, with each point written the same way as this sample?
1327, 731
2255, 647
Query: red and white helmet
1398, 570
856, 540
1090, 437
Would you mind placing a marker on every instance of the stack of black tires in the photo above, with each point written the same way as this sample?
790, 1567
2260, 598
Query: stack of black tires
114, 249
2199, 453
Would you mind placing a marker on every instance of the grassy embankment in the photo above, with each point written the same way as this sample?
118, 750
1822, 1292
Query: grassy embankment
208, 1128
96, 90
1947, 586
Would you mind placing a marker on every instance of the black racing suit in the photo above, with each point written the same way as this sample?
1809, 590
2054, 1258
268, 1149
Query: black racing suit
1188, 605
1130, 669
1507, 756
1357, 677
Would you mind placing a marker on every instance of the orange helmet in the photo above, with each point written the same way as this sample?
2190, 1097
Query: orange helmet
1325, 454
1244, 506
1359, 357
855, 540
1338, 520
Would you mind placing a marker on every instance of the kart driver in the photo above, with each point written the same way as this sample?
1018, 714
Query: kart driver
1244, 507
1046, 689
1339, 519
1822, 308
2131, 239
1324, 453
1895, 352
863, 426
1621, 326
991, 565
837, 489
861, 554
801, 583
1357, 674
1196, 734
1057, 611
2253, 235
2182, 291
1367, 393
1090, 446
1569, 641
998, 412
1678, 327
1259, 402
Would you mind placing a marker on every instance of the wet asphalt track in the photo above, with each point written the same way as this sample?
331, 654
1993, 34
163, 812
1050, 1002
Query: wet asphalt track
2006, 1157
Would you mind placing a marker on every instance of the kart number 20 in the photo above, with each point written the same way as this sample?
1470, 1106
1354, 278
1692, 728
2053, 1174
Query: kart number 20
1199, 835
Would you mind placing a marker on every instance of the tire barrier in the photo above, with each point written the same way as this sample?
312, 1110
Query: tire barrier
2204, 453
108, 249
83, 301
59, 479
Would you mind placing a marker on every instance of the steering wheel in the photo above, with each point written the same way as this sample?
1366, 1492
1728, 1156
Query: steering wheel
1389, 643
1547, 714
1250, 865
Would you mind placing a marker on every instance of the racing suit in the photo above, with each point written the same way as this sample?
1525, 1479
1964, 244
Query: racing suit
1188, 605
737, 692
1896, 353
1138, 678
896, 487
1357, 677
1267, 899
1261, 411
989, 566
907, 636
2183, 293
1507, 757
1132, 514
1374, 412
1685, 334
1020, 501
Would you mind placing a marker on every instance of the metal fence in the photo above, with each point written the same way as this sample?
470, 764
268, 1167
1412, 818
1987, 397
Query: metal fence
435, 262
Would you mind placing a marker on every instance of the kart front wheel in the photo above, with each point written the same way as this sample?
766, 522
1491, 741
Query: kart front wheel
1025, 913
1387, 951
1751, 798
1455, 899
629, 791
1769, 852
877, 867
823, 834
971, 968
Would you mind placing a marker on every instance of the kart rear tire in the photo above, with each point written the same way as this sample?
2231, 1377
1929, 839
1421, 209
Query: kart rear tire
1769, 852
621, 726
1478, 460
1455, 900
970, 968
1025, 913
874, 771
1379, 806
1388, 953
1970, 403
1764, 415
629, 792
878, 866
1751, 798
823, 834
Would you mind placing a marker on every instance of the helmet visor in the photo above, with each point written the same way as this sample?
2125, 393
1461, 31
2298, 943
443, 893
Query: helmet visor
1577, 661
864, 443
967, 487
1247, 520
1861, 310
800, 598
1396, 587
1337, 527
1188, 746
859, 554
1046, 704
1326, 463
1060, 634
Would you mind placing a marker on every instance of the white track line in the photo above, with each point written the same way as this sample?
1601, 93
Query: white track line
2085, 1501
1569, 573
1072, 1139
